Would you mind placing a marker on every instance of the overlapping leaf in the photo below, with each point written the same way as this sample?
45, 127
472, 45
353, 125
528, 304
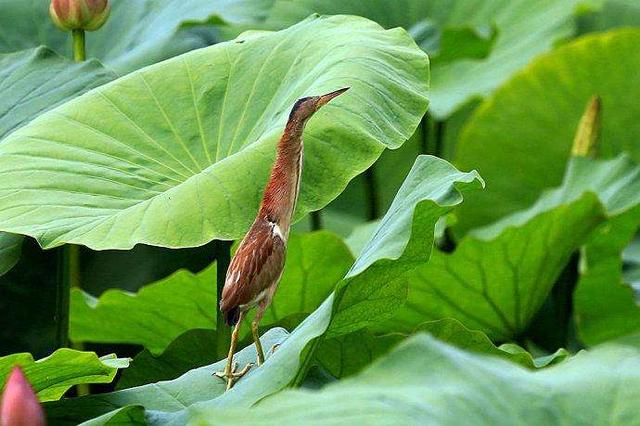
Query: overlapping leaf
521, 157
174, 395
523, 30
425, 379
177, 154
192, 349
52, 376
605, 305
164, 310
371, 290
346, 355
453, 332
403, 239
137, 33
154, 317
499, 276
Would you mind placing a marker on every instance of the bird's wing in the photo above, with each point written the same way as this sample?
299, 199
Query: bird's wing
257, 265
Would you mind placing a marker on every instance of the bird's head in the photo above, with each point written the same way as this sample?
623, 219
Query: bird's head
304, 108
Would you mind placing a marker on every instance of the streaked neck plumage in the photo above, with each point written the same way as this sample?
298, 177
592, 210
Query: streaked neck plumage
283, 187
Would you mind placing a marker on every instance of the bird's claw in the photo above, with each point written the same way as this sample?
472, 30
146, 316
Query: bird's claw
231, 376
273, 348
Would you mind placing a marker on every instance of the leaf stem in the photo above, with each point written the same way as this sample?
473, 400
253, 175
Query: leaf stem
78, 45
223, 333
371, 191
316, 220
424, 138
438, 140
68, 276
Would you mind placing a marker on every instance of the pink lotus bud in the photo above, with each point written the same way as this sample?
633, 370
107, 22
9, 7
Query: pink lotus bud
88, 15
19, 405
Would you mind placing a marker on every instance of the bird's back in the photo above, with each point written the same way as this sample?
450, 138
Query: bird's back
255, 267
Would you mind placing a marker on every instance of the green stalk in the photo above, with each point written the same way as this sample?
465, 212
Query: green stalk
71, 253
79, 54
223, 332
73, 277
316, 220
438, 139
62, 299
371, 191
424, 138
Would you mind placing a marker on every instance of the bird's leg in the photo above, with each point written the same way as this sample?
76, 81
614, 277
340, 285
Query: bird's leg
256, 336
229, 371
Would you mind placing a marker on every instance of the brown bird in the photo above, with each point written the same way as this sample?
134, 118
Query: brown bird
256, 267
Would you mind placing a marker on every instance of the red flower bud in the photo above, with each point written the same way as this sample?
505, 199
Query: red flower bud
86, 15
19, 405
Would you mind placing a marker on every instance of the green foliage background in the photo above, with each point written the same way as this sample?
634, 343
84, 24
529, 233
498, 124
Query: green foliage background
452, 259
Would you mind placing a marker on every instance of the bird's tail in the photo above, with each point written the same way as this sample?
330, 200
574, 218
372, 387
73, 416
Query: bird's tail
232, 315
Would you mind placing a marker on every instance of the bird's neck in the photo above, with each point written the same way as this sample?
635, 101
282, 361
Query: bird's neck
281, 193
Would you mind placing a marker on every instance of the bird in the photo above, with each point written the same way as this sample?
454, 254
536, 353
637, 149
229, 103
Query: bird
256, 267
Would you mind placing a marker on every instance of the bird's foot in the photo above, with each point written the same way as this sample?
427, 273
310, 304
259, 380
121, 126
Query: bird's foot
231, 376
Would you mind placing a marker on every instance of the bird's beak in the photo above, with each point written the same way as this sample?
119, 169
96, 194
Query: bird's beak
324, 99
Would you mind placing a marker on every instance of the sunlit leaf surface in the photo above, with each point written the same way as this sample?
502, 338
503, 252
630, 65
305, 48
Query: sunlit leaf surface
178, 153
426, 379
52, 376
520, 157
499, 276
137, 33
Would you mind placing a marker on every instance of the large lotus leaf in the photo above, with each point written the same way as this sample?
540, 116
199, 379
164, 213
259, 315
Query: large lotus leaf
153, 317
604, 304
424, 380
173, 395
346, 355
368, 293
373, 288
137, 33
499, 276
52, 376
178, 153
522, 147
370, 290
523, 30
163, 310
432, 189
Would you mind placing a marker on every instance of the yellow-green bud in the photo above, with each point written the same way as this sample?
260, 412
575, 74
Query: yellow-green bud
88, 15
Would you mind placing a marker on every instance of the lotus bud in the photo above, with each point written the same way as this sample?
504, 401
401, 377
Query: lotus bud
88, 15
19, 405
